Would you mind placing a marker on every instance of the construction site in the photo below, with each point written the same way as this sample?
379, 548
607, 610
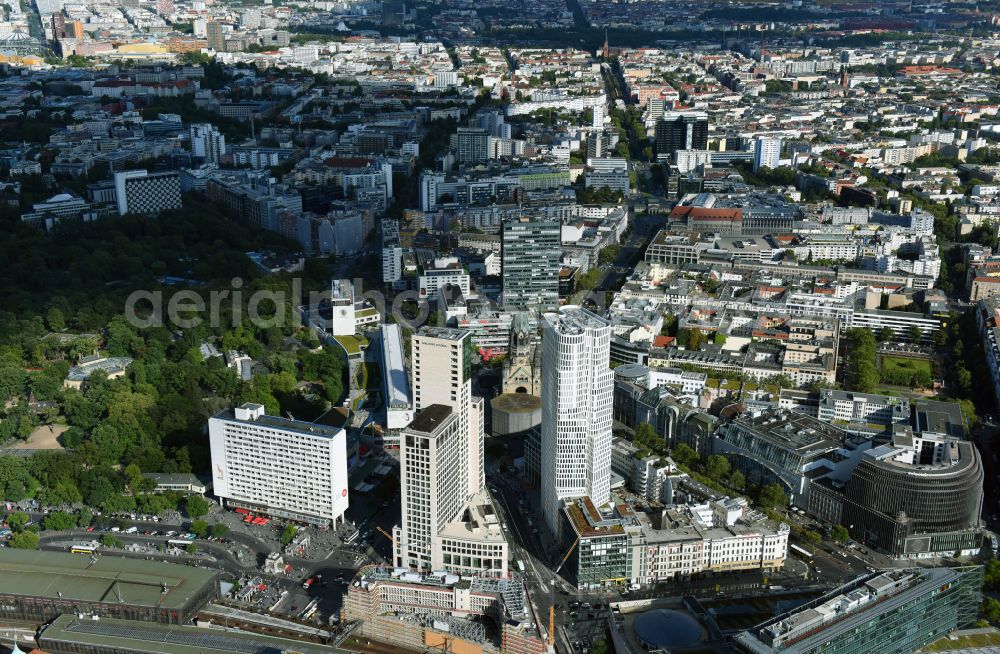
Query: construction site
468, 615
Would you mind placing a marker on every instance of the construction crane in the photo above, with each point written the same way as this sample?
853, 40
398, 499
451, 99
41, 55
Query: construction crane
552, 625
552, 606
387, 535
566, 556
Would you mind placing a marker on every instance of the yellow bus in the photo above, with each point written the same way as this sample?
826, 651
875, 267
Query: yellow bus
83, 549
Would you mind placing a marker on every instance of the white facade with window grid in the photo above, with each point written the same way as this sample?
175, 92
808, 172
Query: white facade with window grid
576, 410
145, 193
284, 468
441, 373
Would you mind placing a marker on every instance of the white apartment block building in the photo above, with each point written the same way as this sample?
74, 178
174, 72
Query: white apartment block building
443, 272
490, 331
646, 476
392, 264
862, 408
614, 180
280, 467
689, 160
207, 142
845, 250
688, 382
576, 410
766, 152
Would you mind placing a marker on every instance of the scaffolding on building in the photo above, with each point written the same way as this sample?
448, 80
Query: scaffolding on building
510, 590
463, 628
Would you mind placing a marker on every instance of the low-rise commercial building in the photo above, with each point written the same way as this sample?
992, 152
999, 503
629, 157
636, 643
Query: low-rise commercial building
474, 543
786, 448
395, 382
72, 634
179, 482
619, 545
113, 367
847, 407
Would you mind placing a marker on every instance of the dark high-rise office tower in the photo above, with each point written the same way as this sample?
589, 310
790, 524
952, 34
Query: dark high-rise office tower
215, 36
58, 26
530, 253
681, 131
470, 144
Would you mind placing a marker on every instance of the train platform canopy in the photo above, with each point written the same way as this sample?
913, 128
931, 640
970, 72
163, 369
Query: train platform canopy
134, 637
100, 579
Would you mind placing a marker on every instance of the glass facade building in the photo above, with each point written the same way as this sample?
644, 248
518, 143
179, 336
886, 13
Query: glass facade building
531, 249
929, 503
601, 552
895, 612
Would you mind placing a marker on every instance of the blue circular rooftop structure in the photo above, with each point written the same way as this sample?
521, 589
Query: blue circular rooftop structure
666, 630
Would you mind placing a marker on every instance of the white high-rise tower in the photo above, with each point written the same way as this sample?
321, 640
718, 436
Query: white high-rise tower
576, 410
597, 121
766, 152
431, 483
207, 142
441, 373
441, 462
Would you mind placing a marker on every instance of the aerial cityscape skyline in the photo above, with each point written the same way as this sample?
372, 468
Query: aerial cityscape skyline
521, 327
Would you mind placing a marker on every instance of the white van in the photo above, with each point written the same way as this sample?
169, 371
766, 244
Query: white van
131, 530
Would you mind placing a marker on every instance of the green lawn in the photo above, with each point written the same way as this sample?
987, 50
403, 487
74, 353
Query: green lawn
352, 344
904, 363
974, 640
888, 389
369, 376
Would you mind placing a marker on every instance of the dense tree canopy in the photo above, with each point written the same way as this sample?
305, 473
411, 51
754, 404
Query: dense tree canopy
65, 297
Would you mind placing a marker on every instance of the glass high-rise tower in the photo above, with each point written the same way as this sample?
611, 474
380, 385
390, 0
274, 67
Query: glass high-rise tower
530, 252
576, 410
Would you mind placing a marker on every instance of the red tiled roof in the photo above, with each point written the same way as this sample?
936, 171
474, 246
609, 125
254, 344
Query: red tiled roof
928, 70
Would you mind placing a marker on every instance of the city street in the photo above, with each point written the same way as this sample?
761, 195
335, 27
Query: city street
528, 546
240, 555
829, 565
